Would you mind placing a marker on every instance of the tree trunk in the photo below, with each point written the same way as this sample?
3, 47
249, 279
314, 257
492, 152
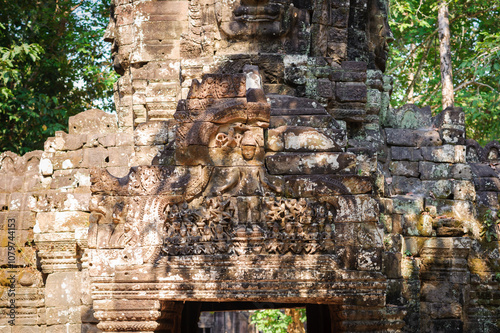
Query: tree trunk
411, 76
296, 326
445, 55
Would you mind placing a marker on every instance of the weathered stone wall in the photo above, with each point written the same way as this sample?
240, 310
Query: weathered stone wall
159, 47
253, 160
441, 196
22, 287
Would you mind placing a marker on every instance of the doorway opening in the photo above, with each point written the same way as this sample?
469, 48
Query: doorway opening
235, 317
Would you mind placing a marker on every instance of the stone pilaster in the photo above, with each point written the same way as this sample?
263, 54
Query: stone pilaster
130, 316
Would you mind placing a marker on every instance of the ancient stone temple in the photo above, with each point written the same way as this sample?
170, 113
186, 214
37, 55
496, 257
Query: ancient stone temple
253, 162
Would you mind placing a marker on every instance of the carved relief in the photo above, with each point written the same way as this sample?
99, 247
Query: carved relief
219, 199
216, 227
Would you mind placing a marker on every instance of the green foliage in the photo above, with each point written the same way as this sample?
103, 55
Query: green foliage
274, 320
475, 44
490, 220
52, 66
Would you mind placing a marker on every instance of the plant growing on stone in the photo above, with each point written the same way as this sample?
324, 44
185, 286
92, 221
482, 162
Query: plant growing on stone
490, 220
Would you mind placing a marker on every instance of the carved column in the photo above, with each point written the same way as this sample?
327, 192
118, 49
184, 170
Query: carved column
137, 316
58, 252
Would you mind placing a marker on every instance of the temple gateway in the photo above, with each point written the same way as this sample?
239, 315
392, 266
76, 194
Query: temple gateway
253, 162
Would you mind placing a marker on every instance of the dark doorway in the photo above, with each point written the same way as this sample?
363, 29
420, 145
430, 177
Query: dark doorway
318, 315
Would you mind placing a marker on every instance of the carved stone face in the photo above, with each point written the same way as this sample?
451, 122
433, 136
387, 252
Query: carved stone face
248, 152
243, 19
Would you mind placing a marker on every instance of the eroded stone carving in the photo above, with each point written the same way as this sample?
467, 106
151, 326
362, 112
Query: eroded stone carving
221, 199
243, 186
281, 226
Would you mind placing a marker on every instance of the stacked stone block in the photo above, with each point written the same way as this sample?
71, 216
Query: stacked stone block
22, 293
160, 46
253, 160
432, 194
484, 263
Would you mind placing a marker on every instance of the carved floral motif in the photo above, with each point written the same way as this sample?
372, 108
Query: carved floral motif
286, 226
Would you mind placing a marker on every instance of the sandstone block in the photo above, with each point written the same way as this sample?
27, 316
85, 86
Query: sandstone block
92, 121
356, 208
464, 190
350, 92
124, 139
409, 116
309, 139
359, 66
445, 153
124, 14
25, 329
61, 221
282, 105
107, 140
46, 167
453, 136
482, 170
63, 289
318, 163
325, 88
351, 113
73, 141
95, 157
404, 168
406, 154
461, 171
346, 233
119, 156
441, 189
79, 178
434, 171
408, 204
67, 328
412, 138
373, 102
67, 159
406, 185
463, 210
347, 76
63, 315
413, 245
488, 199
424, 225
310, 186
391, 265
18, 201
386, 221
451, 117
487, 184
314, 121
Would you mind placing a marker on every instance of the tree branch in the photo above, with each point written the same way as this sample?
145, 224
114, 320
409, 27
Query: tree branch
434, 33
466, 83
76, 6
419, 69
